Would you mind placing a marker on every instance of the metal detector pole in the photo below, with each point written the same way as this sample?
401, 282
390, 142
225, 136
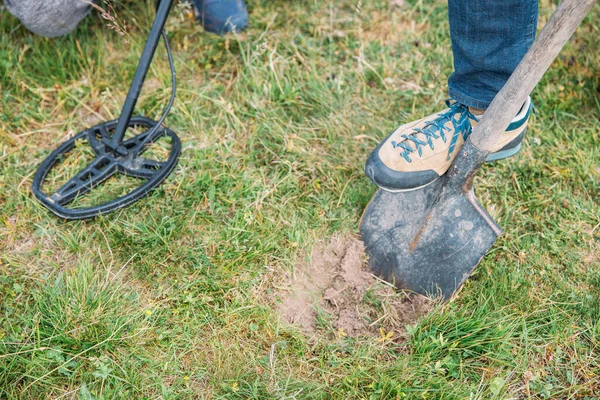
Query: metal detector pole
162, 13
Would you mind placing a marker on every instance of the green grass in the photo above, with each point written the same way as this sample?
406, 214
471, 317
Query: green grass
175, 297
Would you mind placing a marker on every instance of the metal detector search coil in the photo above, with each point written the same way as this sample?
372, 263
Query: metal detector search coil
105, 165
113, 153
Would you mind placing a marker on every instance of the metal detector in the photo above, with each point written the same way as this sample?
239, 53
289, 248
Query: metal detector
113, 153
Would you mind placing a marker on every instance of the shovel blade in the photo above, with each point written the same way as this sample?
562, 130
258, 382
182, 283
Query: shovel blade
427, 240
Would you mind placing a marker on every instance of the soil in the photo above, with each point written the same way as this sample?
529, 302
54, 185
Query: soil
334, 289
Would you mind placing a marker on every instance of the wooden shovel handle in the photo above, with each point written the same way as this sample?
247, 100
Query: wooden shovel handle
530, 70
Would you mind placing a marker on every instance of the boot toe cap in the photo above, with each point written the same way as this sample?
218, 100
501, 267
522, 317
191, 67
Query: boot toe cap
392, 180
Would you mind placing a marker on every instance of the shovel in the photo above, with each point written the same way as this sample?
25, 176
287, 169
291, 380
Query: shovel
431, 239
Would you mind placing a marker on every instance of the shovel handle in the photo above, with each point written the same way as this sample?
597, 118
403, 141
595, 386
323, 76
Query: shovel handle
530, 70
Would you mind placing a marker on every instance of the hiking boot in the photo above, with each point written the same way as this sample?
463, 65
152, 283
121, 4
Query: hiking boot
222, 16
418, 153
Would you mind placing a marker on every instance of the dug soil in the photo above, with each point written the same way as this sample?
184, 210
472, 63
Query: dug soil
334, 289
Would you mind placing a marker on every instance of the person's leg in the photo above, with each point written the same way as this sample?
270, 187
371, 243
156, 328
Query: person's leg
489, 39
49, 18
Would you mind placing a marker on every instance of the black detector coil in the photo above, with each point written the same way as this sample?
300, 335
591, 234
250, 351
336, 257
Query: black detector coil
112, 152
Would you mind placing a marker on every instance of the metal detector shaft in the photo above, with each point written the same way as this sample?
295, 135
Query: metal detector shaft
162, 14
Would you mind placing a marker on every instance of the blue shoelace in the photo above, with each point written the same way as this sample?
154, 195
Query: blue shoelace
436, 129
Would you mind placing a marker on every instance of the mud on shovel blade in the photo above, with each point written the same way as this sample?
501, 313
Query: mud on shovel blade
431, 239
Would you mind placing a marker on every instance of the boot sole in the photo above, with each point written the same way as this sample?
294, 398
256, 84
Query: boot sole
509, 150
502, 154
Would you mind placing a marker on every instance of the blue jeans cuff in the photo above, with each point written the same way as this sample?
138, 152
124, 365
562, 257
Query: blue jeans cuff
467, 100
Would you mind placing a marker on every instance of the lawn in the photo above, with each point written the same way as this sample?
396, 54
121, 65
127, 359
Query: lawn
180, 295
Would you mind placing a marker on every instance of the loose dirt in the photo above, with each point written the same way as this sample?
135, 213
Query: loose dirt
334, 289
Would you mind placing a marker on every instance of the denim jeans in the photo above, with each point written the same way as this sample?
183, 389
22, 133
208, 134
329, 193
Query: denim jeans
489, 39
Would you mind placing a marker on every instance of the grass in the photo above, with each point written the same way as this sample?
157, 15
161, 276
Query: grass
175, 297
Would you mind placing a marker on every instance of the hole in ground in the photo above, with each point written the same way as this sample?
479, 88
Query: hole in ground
334, 291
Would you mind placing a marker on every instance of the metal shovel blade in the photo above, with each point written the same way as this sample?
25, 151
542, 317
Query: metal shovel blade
427, 240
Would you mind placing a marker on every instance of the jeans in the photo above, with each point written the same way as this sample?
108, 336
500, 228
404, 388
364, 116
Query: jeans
489, 39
